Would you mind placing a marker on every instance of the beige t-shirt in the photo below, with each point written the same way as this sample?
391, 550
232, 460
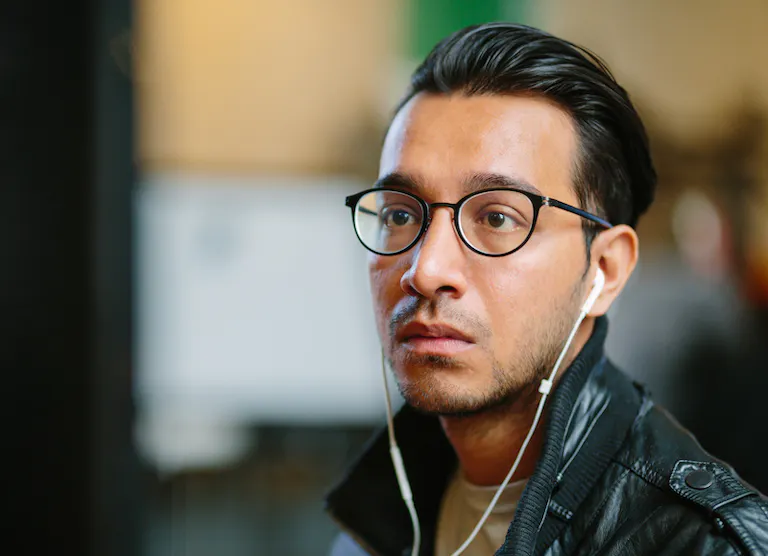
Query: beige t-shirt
462, 507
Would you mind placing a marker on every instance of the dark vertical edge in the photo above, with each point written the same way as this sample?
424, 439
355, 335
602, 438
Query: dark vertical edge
116, 482
70, 478
45, 301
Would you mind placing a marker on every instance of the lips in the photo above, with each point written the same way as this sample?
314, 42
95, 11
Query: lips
437, 339
421, 330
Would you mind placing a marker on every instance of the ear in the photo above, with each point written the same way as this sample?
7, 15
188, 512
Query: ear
615, 251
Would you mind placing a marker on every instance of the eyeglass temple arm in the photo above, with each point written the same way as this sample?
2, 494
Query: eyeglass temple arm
578, 211
351, 201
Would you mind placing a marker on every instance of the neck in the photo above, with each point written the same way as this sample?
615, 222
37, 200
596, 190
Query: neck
487, 443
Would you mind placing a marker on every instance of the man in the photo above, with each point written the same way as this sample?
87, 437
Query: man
501, 230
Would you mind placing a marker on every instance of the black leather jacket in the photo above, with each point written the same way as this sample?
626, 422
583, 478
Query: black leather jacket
617, 475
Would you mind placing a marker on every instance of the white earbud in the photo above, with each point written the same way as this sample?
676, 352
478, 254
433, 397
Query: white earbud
597, 289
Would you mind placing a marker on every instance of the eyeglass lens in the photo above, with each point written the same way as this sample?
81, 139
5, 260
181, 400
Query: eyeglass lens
492, 222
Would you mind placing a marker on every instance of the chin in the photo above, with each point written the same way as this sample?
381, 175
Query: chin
448, 393
447, 387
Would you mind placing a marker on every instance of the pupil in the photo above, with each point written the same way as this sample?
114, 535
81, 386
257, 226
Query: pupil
496, 219
400, 217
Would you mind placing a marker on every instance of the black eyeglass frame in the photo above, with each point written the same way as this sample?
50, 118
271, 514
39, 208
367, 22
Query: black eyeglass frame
537, 201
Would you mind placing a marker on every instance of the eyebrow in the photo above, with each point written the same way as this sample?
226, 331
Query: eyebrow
471, 184
485, 180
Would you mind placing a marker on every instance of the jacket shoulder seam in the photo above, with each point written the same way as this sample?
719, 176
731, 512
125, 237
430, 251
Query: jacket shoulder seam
646, 472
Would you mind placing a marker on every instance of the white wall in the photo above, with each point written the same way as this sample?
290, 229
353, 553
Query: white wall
252, 307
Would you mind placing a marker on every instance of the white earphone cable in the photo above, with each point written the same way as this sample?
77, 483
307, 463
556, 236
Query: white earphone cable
397, 462
544, 388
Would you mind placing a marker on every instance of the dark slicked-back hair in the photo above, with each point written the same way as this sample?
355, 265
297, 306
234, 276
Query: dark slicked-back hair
613, 174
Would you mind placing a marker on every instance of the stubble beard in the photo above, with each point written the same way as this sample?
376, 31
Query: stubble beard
512, 382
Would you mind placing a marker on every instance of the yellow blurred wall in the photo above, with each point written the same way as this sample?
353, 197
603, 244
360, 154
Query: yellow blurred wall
689, 62
242, 86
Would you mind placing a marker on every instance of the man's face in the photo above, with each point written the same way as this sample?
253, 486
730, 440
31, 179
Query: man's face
462, 331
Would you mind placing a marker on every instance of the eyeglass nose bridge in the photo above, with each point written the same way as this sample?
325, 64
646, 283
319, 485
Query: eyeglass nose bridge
428, 220
431, 206
430, 212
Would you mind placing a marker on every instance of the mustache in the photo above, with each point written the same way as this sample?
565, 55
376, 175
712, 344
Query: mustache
437, 310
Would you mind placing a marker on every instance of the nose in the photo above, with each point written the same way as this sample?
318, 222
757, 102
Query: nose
438, 261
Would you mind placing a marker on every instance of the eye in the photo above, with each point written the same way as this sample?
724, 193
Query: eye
498, 219
395, 217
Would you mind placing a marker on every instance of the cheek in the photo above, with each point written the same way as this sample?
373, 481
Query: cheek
384, 278
523, 294
507, 297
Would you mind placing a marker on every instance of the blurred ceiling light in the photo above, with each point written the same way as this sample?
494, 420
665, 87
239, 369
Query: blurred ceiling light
699, 232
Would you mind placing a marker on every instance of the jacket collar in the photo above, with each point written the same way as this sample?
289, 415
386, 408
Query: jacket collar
367, 503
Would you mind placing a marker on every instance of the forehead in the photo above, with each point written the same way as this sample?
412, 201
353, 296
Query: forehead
440, 140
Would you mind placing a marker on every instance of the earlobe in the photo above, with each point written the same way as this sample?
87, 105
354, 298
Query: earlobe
615, 252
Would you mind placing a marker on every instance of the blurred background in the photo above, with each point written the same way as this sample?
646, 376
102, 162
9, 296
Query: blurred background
188, 342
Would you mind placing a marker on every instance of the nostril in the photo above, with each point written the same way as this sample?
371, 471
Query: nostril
409, 289
406, 283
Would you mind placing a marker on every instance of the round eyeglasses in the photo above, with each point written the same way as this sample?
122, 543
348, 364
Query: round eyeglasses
492, 222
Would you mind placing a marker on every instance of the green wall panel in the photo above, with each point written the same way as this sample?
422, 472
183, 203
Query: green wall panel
432, 20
